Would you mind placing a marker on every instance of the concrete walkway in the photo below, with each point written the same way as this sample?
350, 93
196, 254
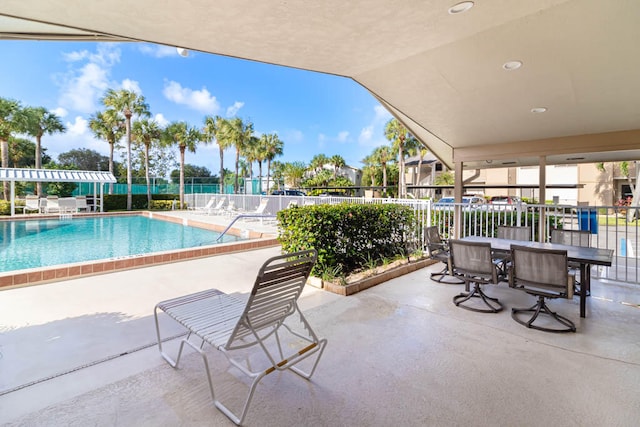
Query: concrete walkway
81, 352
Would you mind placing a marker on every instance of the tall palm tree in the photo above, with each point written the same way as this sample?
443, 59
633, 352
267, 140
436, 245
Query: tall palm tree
108, 126
261, 156
294, 172
10, 115
128, 103
383, 155
146, 132
250, 153
337, 162
317, 163
401, 139
238, 133
274, 147
213, 130
186, 138
40, 121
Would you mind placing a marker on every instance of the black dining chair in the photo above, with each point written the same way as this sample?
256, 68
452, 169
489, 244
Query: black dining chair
544, 274
439, 250
573, 238
473, 262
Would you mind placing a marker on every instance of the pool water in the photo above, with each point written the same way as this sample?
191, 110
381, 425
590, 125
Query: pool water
42, 243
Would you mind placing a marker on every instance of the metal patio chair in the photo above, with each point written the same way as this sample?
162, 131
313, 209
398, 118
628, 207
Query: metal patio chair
439, 250
473, 262
542, 273
258, 326
573, 238
511, 233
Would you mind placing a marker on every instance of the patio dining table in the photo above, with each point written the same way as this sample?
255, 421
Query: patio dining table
585, 256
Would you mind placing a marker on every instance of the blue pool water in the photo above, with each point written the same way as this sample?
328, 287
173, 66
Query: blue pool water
41, 243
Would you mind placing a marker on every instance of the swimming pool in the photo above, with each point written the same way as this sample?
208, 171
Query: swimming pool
49, 242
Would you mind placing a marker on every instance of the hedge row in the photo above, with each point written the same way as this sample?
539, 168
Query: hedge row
348, 237
118, 202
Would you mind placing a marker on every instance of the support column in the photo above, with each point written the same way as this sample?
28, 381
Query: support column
457, 194
542, 183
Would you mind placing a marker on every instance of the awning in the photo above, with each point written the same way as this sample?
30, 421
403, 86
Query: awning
55, 175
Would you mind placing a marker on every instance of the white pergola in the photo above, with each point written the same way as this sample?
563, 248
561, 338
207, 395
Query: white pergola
12, 175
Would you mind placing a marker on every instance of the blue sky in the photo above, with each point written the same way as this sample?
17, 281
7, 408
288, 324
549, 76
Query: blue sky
311, 112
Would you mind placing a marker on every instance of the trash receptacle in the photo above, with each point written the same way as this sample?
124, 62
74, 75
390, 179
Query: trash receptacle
588, 220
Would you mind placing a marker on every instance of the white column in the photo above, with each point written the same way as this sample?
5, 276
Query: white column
542, 183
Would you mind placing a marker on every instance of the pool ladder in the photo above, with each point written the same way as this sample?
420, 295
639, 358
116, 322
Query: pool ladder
66, 216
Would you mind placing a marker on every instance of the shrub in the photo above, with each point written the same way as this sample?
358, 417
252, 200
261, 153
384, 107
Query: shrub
347, 236
5, 207
118, 202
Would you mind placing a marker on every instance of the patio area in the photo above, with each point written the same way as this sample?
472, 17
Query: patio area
82, 352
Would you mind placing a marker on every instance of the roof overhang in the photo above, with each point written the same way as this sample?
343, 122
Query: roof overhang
441, 74
55, 175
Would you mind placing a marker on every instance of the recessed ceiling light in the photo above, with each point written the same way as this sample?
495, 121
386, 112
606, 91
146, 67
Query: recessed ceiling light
539, 110
512, 65
460, 7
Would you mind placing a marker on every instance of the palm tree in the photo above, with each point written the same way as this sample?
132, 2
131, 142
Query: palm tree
10, 111
250, 153
127, 103
273, 147
238, 133
383, 155
109, 126
261, 156
40, 121
213, 130
370, 168
338, 162
317, 162
294, 172
402, 140
186, 138
147, 132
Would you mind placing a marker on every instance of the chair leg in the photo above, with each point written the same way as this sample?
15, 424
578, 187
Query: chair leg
538, 308
494, 305
445, 274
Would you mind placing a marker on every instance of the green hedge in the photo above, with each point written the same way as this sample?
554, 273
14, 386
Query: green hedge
118, 202
347, 236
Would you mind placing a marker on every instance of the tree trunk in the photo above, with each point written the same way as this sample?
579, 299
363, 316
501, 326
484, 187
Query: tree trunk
182, 150
38, 162
401, 186
268, 174
129, 176
146, 174
111, 148
260, 176
4, 147
221, 171
235, 186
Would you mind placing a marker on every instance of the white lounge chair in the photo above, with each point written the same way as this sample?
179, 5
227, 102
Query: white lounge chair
218, 208
269, 323
31, 204
67, 205
81, 204
52, 205
206, 208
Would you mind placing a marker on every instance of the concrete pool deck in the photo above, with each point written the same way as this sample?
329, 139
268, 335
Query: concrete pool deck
82, 352
259, 233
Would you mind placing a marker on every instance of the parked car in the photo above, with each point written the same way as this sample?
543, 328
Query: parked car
507, 203
288, 193
472, 202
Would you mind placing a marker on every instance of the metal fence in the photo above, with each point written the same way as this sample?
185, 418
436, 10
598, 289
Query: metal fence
608, 224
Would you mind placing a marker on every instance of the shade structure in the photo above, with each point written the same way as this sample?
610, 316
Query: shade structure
53, 175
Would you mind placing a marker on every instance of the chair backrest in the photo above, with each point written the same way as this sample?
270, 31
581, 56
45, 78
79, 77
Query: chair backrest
263, 205
67, 203
514, 233
473, 259
210, 203
435, 244
52, 202
32, 201
273, 298
81, 202
540, 271
220, 203
571, 237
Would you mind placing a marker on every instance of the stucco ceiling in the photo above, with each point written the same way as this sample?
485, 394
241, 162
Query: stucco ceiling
441, 74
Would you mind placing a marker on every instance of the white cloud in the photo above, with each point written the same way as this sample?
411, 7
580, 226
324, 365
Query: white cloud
233, 110
81, 87
293, 136
372, 135
131, 85
199, 100
60, 112
343, 136
161, 119
78, 127
158, 51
